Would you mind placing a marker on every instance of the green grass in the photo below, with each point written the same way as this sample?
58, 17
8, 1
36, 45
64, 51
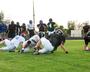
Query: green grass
76, 61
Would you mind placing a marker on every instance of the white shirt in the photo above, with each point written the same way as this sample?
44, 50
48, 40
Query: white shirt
17, 40
30, 26
36, 38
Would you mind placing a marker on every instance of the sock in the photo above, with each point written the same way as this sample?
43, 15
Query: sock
22, 48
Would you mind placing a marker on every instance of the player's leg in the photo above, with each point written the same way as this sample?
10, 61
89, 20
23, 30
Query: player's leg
45, 45
38, 45
2, 42
64, 49
86, 44
6, 42
4, 49
25, 46
62, 44
43, 50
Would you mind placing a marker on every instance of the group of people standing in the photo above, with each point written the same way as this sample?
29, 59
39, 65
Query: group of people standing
16, 29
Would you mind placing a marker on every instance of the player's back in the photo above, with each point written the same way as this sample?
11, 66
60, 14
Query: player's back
57, 38
35, 38
17, 40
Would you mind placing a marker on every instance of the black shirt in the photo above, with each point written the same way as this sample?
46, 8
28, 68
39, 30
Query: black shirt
86, 28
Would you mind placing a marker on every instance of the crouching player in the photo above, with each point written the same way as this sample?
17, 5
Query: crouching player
13, 44
30, 43
57, 39
43, 46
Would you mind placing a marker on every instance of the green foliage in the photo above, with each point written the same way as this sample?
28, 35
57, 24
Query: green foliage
1, 16
61, 27
76, 61
71, 26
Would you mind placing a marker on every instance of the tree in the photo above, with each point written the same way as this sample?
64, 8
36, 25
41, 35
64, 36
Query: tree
71, 26
61, 27
64, 30
1, 16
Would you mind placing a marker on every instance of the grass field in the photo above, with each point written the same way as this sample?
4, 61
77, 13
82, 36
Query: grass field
76, 61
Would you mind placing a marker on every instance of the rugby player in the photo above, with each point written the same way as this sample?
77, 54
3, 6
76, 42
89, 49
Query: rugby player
51, 42
11, 45
30, 43
57, 39
86, 41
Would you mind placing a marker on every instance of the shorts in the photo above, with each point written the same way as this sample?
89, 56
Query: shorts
86, 40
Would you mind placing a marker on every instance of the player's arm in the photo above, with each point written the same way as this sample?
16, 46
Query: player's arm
26, 44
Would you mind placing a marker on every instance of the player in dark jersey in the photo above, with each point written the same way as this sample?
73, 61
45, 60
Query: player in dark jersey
57, 39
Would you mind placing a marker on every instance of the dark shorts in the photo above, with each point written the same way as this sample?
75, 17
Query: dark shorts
86, 40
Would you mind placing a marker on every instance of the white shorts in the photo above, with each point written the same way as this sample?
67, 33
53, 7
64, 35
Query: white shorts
26, 49
46, 46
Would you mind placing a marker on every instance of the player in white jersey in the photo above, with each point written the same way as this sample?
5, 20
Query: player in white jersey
43, 46
30, 43
13, 44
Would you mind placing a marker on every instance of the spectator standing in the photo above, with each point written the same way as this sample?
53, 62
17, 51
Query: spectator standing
3, 30
23, 30
42, 28
11, 30
18, 28
30, 28
51, 25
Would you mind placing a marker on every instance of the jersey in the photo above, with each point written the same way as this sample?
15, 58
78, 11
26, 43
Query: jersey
17, 40
88, 34
34, 39
57, 38
51, 26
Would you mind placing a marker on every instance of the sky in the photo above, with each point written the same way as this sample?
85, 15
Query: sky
61, 11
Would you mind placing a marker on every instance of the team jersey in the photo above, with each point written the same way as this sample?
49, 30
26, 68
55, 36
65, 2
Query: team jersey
34, 39
88, 34
17, 40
